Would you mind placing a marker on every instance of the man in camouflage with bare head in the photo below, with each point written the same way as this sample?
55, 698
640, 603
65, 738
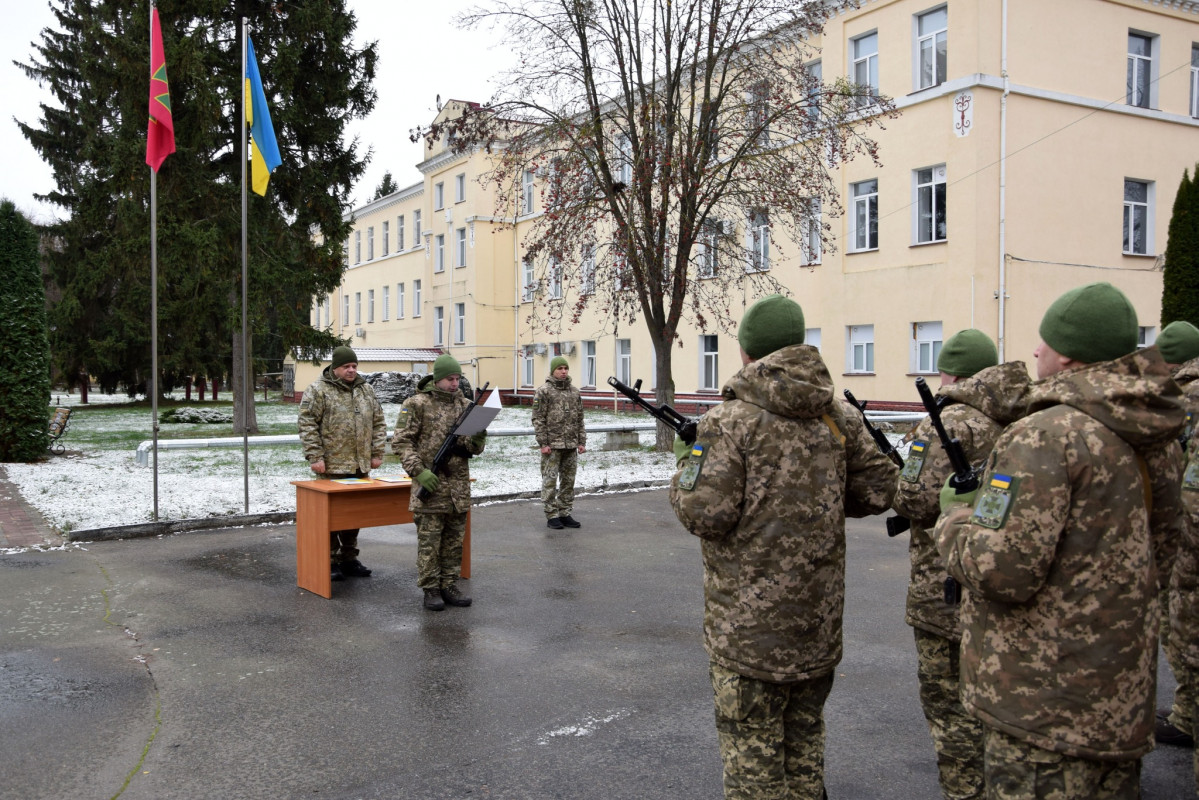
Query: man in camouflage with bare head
979, 398
1062, 550
773, 473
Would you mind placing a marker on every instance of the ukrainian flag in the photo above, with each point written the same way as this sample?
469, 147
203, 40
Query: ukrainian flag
697, 449
1001, 481
264, 150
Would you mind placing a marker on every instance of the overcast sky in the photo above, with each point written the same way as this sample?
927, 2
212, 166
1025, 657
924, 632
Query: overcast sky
421, 54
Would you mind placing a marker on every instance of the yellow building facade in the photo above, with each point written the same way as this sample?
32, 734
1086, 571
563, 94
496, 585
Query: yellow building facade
1039, 147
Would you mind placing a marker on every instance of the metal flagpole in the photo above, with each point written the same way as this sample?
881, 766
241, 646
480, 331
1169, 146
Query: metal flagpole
245, 351
154, 309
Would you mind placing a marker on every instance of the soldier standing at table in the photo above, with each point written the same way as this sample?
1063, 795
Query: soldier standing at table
981, 397
767, 485
1184, 605
343, 434
425, 420
1075, 525
558, 424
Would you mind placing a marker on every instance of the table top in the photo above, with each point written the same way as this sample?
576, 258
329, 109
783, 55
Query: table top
330, 487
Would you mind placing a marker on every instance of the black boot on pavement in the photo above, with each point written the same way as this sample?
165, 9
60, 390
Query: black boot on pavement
354, 569
336, 574
1166, 733
555, 523
453, 596
570, 521
433, 600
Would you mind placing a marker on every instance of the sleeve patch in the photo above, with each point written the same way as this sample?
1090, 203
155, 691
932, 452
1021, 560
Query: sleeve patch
914, 463
694, 466
1190, 478
995, 501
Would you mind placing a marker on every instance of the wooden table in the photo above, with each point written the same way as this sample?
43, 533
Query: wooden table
323, 506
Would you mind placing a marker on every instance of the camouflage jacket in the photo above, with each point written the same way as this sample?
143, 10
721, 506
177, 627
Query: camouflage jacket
425, 420
1184, 600
1062, 560
1186, 378
558, 415
773, 473
341, 423
977, 410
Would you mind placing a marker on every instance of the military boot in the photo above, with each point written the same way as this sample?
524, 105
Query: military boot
454, 596
433, 600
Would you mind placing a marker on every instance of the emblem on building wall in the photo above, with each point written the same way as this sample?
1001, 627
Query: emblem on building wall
963, 113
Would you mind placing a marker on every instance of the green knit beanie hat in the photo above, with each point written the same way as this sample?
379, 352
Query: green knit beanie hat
966, 353
1092, 323
1179, 342
772, 323
344, 355
445, 366
558, 361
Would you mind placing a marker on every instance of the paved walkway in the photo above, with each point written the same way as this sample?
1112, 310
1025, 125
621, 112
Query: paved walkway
20, 523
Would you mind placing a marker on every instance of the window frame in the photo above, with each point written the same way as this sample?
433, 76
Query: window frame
528, 287
855, 339
460, 247
758, 239
865, 64
624, 360
416, 297
438, 326
934, 189
370, 305
940, 59
400, 300
527, 192
927, 338
386, 232
590, 366
370, 243
416, 227
439, 196
385, 302
812, 251
1195, 80
358, 246
709, 362
460, 188
459, 323
869, 201
1141, 69
1130, 207
439, 253
357, 308
400, 233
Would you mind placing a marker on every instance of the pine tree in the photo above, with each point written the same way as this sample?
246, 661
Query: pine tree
96, 63
386, 186
1180, 281
25, 357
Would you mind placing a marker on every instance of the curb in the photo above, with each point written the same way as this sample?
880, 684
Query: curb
165, 527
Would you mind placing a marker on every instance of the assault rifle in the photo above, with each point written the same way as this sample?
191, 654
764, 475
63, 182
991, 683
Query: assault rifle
681, 425
450, 446
964, 478
895, 524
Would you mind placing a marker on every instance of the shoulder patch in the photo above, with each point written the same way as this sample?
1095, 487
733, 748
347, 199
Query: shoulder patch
306, 403
995, 501
405, 415
694, 466
1190, 478
914, 463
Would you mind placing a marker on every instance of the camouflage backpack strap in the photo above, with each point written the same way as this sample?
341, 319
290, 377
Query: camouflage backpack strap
834, 428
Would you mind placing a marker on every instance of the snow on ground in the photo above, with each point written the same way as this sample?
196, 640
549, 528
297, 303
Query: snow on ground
98, 485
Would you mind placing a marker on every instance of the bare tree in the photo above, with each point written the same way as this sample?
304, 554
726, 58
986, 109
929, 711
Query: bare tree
677, 146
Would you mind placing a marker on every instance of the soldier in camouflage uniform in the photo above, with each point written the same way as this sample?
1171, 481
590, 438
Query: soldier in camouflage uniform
981, 397
1184, 605
1179, 346
767, 485
558, 424
343, 434
1075, 524
425, 420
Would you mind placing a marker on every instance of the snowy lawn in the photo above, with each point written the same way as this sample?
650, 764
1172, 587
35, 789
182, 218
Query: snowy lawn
98, 484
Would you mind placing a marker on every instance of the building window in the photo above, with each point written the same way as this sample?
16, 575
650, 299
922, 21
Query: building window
357, 247
554, 272
1140, 70
759, 241
345, 310
860, 350
460, 188
1146, 335
438, 322
316, 312
624, 360
527, 282
932, 31
709, 249
863, 221
400, 233
460, 247
357, 308
438, 196
416, 231
526, 192
930, 204
815, 87
1138, 201
926, 346
759, 112
386, 304
439, 253
1195, 80
587, 270
370, 243
865, 68
811, 336
460, 323
370, 305
416, 298
526, 376
589, 365
399, 301
625, 160
386, 237
810, 233
709, 362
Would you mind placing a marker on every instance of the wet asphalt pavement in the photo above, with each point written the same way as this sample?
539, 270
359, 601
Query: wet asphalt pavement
192, 666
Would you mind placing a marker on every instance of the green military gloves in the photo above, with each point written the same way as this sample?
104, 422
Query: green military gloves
681, 449
428, 480
479, 439
949, 495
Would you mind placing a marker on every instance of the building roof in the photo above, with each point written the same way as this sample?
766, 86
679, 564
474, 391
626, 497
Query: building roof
375, 354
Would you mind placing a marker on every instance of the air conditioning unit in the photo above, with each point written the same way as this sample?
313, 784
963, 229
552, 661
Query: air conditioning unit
360, 332
566, 348
539, 348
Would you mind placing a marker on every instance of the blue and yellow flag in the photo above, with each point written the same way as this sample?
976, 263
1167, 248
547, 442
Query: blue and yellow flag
264, 150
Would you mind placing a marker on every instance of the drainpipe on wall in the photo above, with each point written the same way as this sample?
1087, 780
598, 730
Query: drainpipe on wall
1002, 295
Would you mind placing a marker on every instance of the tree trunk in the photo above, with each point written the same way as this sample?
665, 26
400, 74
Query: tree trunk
245, 417
664, 393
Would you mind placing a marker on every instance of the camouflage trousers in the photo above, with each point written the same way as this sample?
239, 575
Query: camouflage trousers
1017, 770
343, 545
1182, 711
771, 736
439, 540
558, 468
957, 736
